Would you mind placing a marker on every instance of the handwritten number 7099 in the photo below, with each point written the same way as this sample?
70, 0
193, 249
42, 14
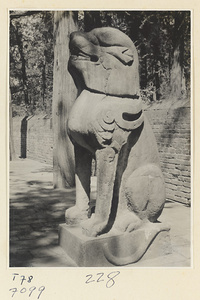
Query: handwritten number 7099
30, 290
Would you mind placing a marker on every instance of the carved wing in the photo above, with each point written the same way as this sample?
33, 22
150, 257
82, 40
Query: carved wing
105, 126
125, 114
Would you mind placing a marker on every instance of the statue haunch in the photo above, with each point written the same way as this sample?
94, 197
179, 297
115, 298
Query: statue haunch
107, 121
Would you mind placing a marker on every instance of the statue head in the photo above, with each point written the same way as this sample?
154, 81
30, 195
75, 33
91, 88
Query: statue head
104, 60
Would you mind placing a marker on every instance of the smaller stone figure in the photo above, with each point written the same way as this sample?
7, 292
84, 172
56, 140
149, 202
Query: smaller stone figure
107, 122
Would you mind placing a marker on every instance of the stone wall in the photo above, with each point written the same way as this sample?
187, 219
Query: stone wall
171, 127
38, 140
172, 130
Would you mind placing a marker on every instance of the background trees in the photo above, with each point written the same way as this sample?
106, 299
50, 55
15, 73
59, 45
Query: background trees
31, 62
161, 37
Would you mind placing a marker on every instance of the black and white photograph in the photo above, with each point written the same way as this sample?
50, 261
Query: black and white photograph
100, 139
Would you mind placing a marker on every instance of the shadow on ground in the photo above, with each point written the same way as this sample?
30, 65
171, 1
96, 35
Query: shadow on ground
36, 210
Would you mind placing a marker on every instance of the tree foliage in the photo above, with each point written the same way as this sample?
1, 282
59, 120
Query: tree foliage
31, 62
161, 37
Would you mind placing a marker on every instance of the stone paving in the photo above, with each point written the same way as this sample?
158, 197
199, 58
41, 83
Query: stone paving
36, 210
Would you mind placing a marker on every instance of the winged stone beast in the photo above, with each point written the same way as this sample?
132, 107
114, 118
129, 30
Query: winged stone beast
107, 122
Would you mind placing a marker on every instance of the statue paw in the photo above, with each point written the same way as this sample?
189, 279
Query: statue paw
93, 227
74, 215
127, 222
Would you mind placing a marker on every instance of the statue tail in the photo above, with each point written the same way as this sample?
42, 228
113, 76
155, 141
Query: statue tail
130, 247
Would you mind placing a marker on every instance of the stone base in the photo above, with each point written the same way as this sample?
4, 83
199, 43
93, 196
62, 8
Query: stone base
147, 242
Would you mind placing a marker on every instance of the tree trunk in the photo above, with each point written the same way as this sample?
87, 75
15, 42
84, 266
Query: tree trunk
64, 94
177, 82
24, 76
11, 140
176, 76
44, 81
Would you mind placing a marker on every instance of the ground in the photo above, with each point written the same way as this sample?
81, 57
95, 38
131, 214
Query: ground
36, 210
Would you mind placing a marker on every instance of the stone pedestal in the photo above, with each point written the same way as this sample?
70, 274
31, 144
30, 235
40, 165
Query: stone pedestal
108, 250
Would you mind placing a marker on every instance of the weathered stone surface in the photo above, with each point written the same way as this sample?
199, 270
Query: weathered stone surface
107, 121
100, 58
148, 242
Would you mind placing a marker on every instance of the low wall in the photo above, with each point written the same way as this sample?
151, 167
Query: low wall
38, 140
172, 131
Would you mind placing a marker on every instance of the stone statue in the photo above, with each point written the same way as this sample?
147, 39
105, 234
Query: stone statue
107, 122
